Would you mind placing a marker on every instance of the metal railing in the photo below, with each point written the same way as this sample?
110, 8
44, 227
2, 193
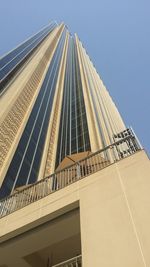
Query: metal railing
74, 262
126, 145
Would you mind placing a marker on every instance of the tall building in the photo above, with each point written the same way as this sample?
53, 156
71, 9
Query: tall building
61, 133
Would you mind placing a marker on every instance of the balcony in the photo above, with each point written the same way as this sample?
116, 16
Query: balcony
125, 144
74, 262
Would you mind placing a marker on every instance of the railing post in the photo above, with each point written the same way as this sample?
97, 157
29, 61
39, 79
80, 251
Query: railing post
54, 185
78, 170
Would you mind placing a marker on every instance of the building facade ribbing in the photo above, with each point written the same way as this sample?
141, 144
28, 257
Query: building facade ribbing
74, 182
87, 119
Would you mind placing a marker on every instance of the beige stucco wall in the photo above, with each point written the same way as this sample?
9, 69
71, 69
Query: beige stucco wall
103, 117
12, 105
114, 215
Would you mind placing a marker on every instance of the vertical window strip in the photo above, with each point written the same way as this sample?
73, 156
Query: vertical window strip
62, 122
9, 182
70, 89
73, 131
67, 136
75, 96
82, 107
80, 114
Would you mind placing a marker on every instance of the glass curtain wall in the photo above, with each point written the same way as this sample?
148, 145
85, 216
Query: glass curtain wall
24, 167
73, 131
10, 63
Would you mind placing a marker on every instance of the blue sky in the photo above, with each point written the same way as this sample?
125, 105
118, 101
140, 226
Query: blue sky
116, 35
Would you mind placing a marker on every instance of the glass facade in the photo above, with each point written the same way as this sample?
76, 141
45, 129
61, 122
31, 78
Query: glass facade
73, 131
24, 167
41, 148
10, 63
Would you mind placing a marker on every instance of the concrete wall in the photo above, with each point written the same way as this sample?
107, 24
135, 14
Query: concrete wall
114, 215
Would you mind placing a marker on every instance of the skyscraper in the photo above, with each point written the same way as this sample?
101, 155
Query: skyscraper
58, 124
88, 117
